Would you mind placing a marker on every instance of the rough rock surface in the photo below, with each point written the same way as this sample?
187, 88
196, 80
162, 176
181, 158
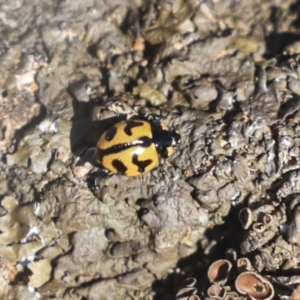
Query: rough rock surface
224, 74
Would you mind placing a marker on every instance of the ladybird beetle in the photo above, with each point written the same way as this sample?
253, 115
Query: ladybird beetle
134, 147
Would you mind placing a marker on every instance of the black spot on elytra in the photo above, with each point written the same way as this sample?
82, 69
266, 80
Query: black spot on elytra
110, 133
142, 164
130, 125
119, 166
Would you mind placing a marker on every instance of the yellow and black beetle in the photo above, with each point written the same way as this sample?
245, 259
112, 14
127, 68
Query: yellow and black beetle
134, 147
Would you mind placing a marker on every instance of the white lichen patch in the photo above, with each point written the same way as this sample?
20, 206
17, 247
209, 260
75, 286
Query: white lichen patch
25, 80
47, 125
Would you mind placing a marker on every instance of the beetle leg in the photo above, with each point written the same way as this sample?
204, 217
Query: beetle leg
92, 178
154, 117
162, 151
102, 173
120, 107
129, 111
115, 106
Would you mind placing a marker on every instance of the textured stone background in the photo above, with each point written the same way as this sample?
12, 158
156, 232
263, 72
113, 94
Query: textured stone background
225, 74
